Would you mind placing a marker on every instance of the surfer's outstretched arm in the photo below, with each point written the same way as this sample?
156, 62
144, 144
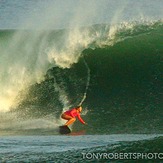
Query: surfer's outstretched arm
80, 119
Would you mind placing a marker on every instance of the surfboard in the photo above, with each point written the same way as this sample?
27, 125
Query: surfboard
64, 130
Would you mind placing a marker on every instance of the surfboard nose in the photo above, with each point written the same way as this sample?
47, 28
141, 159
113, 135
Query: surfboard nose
64, 130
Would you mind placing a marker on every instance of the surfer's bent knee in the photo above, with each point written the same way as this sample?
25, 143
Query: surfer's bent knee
63, 116
67, 117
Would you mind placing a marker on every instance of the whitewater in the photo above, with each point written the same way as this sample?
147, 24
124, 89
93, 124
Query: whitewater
104, 55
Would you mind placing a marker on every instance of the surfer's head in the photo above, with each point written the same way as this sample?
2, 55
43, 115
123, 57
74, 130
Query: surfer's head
79, 108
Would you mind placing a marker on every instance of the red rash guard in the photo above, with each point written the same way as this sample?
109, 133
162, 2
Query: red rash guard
73, 113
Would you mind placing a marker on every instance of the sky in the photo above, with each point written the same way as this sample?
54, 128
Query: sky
69, 13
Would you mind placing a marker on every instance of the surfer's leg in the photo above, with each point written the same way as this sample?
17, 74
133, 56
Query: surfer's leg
69, 118
69, 122
66, 117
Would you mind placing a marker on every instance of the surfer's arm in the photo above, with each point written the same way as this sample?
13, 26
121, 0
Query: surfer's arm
80, 119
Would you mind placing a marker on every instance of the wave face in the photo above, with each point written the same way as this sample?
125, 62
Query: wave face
115, 72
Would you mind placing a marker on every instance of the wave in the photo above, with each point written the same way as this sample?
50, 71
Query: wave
114, 71
89, 148
132, 149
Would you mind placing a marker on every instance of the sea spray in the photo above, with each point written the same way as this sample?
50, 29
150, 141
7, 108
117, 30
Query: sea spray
87, 84
62, 95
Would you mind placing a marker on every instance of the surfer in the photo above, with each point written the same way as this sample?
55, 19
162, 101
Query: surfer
71, 114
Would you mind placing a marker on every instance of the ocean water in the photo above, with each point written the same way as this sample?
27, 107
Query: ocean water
105, 55
79, 148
